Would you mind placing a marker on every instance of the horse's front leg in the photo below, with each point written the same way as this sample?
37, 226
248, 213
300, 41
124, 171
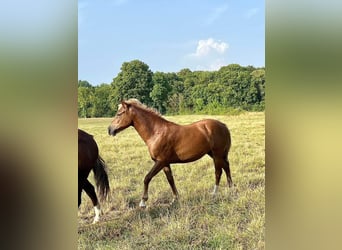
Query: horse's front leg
155, 170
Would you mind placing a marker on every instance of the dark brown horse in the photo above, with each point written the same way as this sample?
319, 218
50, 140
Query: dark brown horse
89, 159
170, 143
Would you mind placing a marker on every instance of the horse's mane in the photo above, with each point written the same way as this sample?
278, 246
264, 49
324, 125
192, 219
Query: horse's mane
137, 103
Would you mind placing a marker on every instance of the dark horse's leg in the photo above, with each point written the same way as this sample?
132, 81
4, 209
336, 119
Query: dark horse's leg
90, 190
221, 163
218, 173
227, 170
82, 178
168, 173
80, 187
155, 170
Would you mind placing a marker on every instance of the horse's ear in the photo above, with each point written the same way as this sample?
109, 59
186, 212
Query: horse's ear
125, 105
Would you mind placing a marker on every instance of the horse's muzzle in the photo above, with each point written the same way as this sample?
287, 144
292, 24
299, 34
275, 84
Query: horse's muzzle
111, 131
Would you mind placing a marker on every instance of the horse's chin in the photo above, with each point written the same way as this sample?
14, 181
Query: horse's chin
112, 132
115, 132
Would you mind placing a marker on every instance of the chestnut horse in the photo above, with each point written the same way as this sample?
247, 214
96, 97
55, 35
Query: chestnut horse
169, 143
89, 159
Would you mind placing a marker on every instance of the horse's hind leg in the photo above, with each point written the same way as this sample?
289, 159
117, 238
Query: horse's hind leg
90, 190
80, 184
218, 173
227, 170
168, 173
81, 181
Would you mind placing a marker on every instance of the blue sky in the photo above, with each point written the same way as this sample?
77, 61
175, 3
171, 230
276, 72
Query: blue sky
168, 35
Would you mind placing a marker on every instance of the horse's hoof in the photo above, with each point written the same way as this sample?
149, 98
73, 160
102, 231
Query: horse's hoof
175, 200
214, 193
142, 204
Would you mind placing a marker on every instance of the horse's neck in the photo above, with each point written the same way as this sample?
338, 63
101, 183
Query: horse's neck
145, 123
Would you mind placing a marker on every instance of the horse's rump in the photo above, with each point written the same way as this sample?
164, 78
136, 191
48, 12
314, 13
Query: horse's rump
87, 150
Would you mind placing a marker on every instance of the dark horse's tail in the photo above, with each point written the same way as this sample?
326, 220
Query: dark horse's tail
101, 178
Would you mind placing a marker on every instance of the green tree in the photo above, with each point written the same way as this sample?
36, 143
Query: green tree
84, 84
85, 100
233, 86
101, 103
175, 97
258, 82
133, 81
160, 91
237, 82
199, 96
189, 80
175, 104
217, 94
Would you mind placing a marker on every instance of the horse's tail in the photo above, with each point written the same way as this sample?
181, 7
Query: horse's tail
101, 178
229, 142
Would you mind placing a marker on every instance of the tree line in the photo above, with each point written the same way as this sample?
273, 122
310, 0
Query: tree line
231, 88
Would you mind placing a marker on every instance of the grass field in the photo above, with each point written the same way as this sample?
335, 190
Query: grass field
233, 219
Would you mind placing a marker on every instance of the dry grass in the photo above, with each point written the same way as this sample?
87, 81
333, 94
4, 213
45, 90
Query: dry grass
234, 219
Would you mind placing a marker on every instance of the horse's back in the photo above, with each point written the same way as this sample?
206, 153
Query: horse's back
213, 127
87, 151
84, 136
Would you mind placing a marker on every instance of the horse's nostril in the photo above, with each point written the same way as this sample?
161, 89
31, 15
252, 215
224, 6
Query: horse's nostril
109, 130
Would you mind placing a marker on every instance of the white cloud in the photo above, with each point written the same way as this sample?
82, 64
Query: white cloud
206, 47
210, 55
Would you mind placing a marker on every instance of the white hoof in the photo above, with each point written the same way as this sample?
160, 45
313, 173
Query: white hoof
96, 219
142, 204
97, 213
215, 190
174, 200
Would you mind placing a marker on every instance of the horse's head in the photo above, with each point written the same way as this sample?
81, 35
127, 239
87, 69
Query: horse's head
122, 119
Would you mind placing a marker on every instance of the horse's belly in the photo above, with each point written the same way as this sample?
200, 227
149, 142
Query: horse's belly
189, 156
